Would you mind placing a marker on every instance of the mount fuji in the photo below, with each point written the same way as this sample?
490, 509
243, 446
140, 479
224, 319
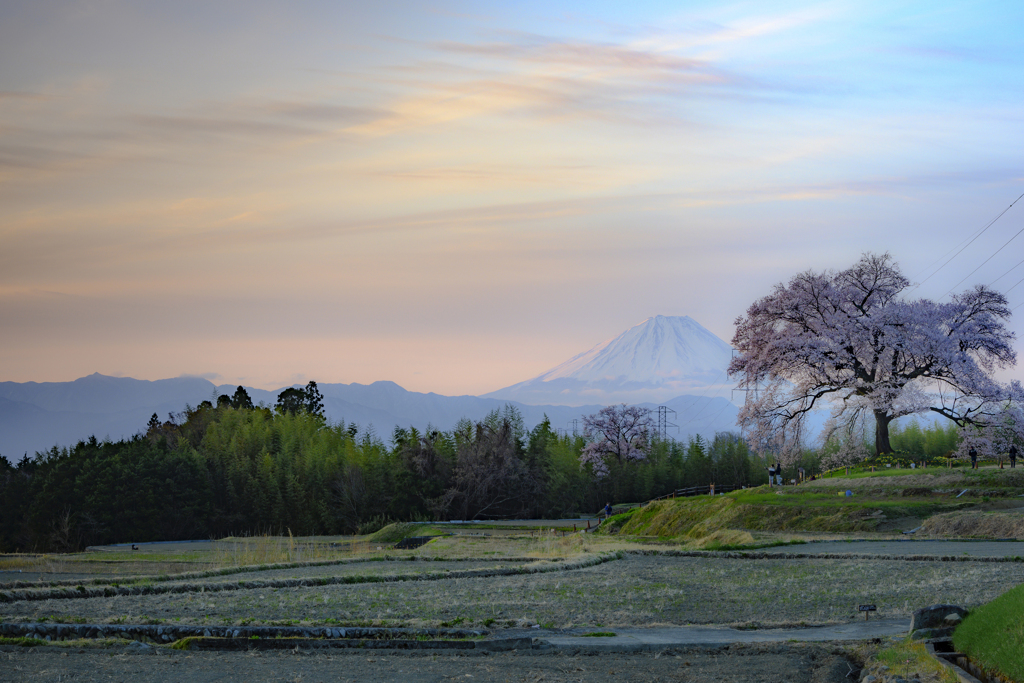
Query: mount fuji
661, 358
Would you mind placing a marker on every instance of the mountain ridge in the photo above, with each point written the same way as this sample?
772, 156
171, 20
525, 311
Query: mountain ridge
27, 428
664, 360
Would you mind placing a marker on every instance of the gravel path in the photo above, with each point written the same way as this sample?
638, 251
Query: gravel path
653, 639
908, 547
382, 568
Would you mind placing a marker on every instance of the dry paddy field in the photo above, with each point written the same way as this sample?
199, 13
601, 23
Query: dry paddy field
503, 584
591, 586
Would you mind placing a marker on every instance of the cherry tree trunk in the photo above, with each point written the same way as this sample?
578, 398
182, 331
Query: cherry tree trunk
882, 421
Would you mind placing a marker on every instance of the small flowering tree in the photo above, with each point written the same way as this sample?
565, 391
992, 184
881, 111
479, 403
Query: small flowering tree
990, 427
848, 442
621, 433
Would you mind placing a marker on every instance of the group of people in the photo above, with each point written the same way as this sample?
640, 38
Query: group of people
774, 474
973, 454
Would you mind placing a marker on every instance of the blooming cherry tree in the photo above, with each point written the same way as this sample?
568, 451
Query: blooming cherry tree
617, 432
848, 341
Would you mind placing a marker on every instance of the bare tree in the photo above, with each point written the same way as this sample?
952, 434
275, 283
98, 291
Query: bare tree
490, 479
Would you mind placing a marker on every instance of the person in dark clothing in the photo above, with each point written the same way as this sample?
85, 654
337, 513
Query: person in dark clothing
607, 510
1013, 455
974, 458
771, 475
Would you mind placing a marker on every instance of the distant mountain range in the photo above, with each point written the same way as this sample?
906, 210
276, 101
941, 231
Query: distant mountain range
663, 361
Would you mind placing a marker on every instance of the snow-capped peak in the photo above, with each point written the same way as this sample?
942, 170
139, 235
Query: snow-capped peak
660, 358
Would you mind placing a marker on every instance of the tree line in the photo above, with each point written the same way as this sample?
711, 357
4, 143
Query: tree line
229, 467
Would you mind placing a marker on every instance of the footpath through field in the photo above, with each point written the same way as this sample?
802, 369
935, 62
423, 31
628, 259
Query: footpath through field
641, 639
941, 548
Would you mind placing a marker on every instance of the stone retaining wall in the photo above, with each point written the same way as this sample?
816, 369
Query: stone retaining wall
166, 633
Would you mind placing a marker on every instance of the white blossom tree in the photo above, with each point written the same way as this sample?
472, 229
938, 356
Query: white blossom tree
848, 341
621, 432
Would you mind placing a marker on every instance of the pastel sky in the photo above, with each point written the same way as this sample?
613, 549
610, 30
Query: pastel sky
458, 196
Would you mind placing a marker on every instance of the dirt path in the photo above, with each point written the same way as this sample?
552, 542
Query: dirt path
908, 547
792, 663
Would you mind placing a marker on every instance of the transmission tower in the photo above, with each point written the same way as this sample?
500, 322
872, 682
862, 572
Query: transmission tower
747, 392
663, 423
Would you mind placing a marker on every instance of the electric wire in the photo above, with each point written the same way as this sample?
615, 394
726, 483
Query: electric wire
1011, 288
1006, 273
704, 395
969, 242
986, 260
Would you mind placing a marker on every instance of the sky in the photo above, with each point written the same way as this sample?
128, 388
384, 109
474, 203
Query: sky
459, 196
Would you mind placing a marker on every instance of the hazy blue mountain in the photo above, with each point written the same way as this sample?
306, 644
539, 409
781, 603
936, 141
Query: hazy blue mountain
38, 416
102, 394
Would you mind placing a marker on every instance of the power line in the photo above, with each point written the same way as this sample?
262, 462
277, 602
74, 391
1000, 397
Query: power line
1011, 288
969, 242
704, 395
988, 259
1005, 274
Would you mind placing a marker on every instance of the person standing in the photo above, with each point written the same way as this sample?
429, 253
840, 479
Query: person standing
778, 472
607, 510
974, 458
1013, 455
771, 475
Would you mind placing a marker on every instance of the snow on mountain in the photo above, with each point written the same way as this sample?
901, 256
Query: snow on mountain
661, 358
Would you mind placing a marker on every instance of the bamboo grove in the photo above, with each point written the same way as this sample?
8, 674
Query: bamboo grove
221, 470
234, 469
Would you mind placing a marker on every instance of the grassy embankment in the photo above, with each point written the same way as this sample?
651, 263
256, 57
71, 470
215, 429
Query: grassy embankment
993, 635
883, 501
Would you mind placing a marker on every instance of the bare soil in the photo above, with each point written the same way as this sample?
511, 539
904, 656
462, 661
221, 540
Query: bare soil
792, 663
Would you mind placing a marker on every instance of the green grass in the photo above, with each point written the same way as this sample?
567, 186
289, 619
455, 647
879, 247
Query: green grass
908, 657
393, 533
23, 642
889, 472
598, 634
993, 635
762, 509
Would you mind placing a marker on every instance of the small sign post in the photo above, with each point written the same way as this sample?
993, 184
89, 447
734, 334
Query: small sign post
867, 610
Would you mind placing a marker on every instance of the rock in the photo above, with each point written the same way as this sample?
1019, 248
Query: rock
869, 679
935, 616
952, 618
926, 633
142, 648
